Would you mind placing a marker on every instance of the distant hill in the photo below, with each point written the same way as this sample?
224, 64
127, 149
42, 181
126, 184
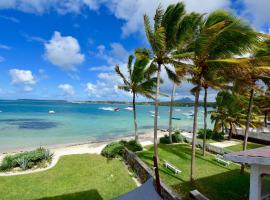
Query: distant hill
184, 100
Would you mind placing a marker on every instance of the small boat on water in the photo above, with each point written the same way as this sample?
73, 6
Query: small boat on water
152, 112
176, 118
109, 108
51, 112
129, 108
116, 109
154, 116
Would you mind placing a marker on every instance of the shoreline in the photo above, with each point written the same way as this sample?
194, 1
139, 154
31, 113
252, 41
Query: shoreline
82, 148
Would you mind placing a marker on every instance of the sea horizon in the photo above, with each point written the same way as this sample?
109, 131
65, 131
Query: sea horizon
30, 124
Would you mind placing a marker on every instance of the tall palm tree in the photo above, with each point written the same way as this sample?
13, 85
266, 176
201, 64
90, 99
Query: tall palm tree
250, 70
168, 31
139, 79
221, 35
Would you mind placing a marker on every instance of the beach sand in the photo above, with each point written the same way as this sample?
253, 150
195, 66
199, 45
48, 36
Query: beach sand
91, 148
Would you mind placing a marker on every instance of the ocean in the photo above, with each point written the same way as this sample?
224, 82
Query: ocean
28, 124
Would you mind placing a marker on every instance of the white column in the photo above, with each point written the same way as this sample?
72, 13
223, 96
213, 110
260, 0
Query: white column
255, 183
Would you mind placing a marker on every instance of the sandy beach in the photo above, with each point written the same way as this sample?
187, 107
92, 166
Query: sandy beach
91, 148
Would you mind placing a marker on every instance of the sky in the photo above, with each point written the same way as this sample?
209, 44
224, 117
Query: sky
67, 49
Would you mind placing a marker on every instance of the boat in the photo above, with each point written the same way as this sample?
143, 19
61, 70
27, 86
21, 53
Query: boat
177, 110
128, 108
152, 112
154, 116
108, 108
116, 109
176, 118
51, 112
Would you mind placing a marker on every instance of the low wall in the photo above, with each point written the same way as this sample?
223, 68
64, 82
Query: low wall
144, 173
209, 147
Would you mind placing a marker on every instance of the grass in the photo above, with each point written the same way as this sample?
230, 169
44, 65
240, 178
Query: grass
239, 147
212, 179
74, 177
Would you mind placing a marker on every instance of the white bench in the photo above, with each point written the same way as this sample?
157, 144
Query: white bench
173, 168
220, 159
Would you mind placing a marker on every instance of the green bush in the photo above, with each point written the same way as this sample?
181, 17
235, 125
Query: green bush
176, 138
214, 135
209, 133
132, 145
25, 160
113, 150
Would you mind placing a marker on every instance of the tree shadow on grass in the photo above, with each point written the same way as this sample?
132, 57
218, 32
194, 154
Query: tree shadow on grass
228, 185
84, 195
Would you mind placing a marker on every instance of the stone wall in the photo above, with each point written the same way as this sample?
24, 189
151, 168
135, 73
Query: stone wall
143, 173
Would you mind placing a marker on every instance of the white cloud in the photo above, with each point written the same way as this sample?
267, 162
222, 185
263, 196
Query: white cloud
115, 55
42, 6
256, 11
64, 52
23, 78
12, 19
2, 59
2, 46
102, 68
67, 89
106, 87
132, 11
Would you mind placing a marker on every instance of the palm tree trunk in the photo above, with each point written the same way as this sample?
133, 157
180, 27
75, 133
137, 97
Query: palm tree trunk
171, 112
134, 117
205, 119
230, 133
265, 118
247, 124
192, 174
155, 132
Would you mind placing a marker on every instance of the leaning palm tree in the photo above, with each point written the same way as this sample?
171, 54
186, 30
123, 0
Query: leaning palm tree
139, 79
221, 35
167, 32
250, 70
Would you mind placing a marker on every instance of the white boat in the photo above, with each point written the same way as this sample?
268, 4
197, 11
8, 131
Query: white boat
177, 110
109, 108
51, 112
154, 116
152, 112
128, 108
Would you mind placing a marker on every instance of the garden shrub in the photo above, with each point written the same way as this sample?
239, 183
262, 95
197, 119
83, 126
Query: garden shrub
26, 159
115, 149
176, 138
133, 145
214, 135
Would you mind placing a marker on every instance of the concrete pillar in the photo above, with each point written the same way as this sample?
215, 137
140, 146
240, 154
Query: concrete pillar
255, 183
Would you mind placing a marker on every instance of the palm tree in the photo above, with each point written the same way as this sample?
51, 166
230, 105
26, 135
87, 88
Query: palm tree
221, 35
251, 70
168, 31
139, 79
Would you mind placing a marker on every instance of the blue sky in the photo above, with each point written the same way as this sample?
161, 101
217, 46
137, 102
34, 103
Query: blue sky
66, 49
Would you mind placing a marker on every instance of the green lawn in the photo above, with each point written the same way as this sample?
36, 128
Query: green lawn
74, 177
213, 180
239, 147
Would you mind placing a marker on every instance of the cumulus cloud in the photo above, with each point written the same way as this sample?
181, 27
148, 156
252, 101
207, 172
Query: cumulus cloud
115, 55
64, 52
42, 6
67, 89
22, 78
106, 87
132, 11
256, 11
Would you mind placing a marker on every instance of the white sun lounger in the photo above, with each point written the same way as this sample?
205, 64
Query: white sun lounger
171, 167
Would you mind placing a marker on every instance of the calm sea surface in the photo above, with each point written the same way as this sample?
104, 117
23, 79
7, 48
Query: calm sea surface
27, 124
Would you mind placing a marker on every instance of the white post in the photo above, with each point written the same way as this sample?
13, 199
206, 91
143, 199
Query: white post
255, 183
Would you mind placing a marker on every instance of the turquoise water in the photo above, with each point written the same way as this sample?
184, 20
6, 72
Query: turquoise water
27, 124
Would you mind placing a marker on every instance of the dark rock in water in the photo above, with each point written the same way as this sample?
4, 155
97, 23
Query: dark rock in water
37, 124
